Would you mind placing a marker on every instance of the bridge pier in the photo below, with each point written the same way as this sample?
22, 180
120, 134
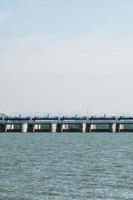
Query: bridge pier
116, 128
112, 128
64, 127
53, 127
24, 127
83, 128
9, 127
119, 127
92, 127
36, 128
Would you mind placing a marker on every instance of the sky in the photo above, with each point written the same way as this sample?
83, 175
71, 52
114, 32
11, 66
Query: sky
66, 57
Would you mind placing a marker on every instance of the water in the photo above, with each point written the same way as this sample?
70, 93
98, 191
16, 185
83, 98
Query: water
47, 166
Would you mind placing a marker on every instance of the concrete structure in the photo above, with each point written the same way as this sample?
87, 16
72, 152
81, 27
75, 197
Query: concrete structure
53, 127
92, 127
36, 128
9, 128
83, 128
24, 127
64, 127
112, 128
65, 124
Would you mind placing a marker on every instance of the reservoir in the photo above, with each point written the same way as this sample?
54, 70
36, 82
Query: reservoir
77, 166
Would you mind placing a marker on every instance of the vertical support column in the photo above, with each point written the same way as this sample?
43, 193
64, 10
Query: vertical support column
116, 128
39, 126
9, 127
121, 127
53, 127
112, 128
24, 127
83, 128
92, 127
64, 127
35, 128
6, 128
12, 127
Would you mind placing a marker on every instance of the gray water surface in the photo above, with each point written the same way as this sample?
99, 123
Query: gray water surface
67, 166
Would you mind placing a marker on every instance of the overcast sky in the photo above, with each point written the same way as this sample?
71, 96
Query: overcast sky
66, 56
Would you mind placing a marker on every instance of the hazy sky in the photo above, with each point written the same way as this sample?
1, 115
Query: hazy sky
66, 56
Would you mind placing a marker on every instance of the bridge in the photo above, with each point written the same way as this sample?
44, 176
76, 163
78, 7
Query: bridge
55, 124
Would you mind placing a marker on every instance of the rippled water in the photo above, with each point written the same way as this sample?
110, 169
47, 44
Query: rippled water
47, 166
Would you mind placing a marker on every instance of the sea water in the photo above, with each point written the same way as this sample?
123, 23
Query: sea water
65, 166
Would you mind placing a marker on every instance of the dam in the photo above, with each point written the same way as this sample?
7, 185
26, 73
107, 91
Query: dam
66, 124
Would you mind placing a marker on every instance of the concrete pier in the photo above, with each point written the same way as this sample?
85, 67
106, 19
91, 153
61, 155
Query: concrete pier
92, 127
64, 127
24, 128
83, 128
53, 128
36, 128
119, 127
9, 128
112, 128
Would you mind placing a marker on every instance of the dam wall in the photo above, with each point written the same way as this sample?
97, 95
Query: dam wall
65, 124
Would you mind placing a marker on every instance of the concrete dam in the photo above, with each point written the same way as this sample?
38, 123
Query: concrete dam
66, 124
